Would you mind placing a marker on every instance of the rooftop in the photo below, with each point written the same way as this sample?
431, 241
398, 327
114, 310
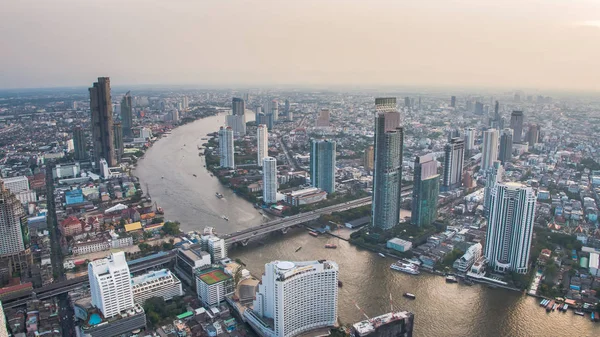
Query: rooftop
213, 275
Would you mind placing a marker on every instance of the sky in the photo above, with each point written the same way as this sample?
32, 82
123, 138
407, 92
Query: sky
515, 44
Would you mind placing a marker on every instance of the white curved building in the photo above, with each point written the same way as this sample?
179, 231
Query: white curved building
295, 297
510, 227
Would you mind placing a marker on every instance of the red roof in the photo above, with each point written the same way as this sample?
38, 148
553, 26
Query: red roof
70, 221
18, 287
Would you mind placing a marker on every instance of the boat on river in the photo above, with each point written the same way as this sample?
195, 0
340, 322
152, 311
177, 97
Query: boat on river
409, 295
225, 218
451, 279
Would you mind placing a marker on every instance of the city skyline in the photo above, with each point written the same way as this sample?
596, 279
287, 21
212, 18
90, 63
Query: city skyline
486, 45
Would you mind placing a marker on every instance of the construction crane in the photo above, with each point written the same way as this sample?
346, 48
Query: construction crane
361, 311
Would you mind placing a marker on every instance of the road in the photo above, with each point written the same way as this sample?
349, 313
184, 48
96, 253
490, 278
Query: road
281, 224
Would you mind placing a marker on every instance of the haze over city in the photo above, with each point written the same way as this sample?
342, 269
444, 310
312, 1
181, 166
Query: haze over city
494, 44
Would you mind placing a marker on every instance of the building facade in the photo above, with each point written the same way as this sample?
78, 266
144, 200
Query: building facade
269, 180
454, 157
489, 148
110, 285
226, 148
127, 115
102, 122
369, 158
470, 135
506, 142
510, 227
262, 143
322, 165
323, 119
213, 285
119, 145
160, 283
297, 296
493, 176
217, 249
516, 123
14, 233
79, 143
387, 175
426, 188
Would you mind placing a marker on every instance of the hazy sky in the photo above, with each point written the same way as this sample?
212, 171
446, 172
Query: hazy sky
501, 43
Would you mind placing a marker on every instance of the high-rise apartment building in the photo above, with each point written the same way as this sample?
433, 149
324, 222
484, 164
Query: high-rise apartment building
506, 143
369, 158
533, 135
127, 114
323, 119
262, 143
217, 249
14, 233
185, 102
470, 135
110, 285
226, 147
102, 122
322, 165
516, 123
296, 297
407, 102
454, 156
478, 108
387, 107
269, 180
237, 119
493, 176
489, 148
119, 146
387, 176
453, 102
287, 109
272, 107
426, 189
79, 143
510, 227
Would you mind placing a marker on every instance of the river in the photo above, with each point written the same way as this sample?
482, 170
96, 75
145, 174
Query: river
440, 309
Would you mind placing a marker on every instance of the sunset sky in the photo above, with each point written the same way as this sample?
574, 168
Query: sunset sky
542, 44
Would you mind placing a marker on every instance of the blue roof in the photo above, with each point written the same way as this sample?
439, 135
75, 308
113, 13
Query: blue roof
95, 319
146, 258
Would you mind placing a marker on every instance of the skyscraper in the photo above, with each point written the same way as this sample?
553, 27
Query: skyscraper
226, 149
237, 119
269, 180
533, 134
257, 115
454, 156
387, 177
516, 123
323, 119
79, 143
493, 176
510, 227
478, 108
426, 188
296, 297
110, 285
262, 143
271, 107
469, 139
506, 142
119, 146
287, 109
369, 158
453, 102
407, 102
102, 122
322, 165
14, 233
127, 114
387, 107
489, 148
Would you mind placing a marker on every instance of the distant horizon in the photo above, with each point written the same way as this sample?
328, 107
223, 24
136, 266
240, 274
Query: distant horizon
532, 45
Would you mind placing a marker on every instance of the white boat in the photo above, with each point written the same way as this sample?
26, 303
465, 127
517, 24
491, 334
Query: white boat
451, 279
381, 254
405, 268
580, 313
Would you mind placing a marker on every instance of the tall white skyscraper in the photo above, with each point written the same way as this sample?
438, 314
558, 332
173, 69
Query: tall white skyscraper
322, 164
469, 139
226, 151
14, 233
262, 143
489, 148
110, 285
269, 180
510, 227
297, 297
217, 249
237, 119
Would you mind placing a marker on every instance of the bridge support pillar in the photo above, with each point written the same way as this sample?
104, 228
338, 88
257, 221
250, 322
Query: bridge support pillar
284, 230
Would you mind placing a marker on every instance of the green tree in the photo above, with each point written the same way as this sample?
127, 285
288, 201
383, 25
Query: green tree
171, 228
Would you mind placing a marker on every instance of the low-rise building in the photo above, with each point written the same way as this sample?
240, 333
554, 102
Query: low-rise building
188, 259
464, 263
305, 196
399, 245
161, 283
